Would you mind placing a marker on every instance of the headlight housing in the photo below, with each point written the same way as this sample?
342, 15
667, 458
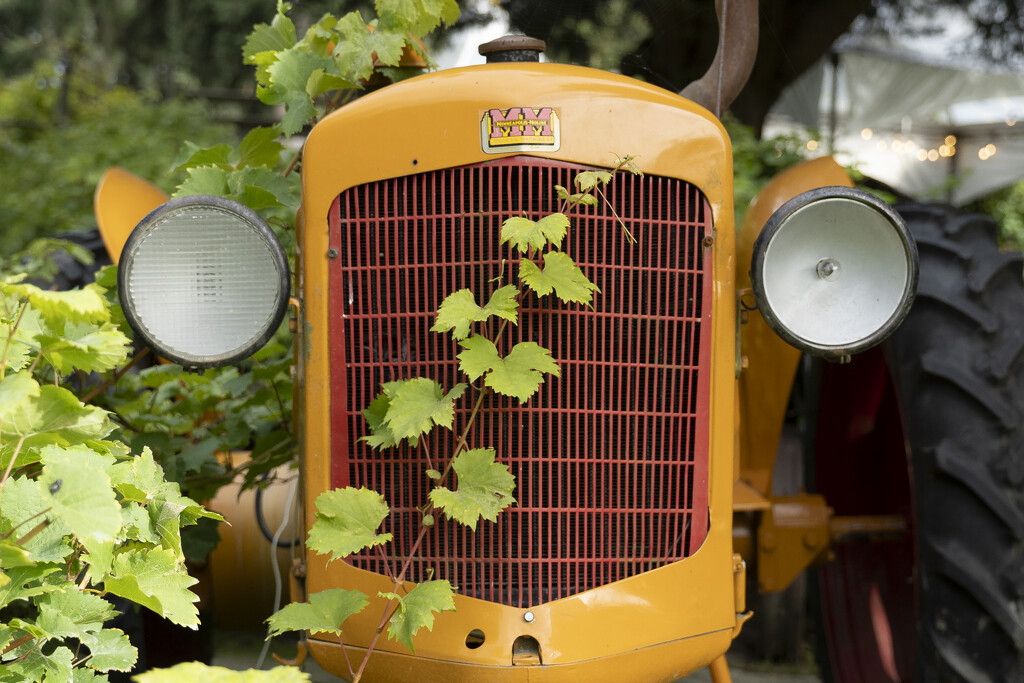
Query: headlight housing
203, 281
834, 271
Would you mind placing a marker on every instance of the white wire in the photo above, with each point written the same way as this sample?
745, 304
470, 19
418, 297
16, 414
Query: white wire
275, 567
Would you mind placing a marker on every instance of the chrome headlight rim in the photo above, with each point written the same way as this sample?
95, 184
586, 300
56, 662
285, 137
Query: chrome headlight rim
260, 228
772, 228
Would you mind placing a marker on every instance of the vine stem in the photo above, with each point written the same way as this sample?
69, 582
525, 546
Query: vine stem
388, 611
629, 235
23, 523
348, 662
7, 343
117, 376
10, 465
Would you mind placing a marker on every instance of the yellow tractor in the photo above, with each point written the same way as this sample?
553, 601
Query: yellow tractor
644, 475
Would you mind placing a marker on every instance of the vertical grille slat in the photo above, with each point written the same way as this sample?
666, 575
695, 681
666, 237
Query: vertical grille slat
610, 460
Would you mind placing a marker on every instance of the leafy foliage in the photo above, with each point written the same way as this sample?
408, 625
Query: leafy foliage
483, 490
518, 374
347, 521
757, 160
324, 612
416, 610
459, 310
561, 276
196, 671
60, 157
80, 515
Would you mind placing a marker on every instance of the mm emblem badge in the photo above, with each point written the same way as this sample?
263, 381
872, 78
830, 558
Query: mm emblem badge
519, 129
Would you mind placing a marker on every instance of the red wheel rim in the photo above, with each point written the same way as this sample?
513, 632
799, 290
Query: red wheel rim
862, 467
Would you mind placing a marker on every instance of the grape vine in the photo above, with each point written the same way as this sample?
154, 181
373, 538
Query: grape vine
468, 484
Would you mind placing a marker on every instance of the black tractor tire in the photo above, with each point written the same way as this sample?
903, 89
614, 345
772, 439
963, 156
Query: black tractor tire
928, 428
957, 367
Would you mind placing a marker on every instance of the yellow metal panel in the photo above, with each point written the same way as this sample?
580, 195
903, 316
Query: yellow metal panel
433, 122
771, 364
122, 199
656, 664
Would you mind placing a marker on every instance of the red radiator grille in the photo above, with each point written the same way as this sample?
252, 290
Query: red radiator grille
611, 459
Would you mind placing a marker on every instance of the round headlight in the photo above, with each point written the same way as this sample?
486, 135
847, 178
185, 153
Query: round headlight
203, 281
834, 271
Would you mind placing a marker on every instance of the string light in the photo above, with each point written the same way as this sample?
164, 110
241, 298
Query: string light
866, 133
812, 145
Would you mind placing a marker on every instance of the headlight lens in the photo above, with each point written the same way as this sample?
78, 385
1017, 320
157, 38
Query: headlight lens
834, 271
204, 281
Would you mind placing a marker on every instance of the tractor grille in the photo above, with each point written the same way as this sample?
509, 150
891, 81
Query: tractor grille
610, 460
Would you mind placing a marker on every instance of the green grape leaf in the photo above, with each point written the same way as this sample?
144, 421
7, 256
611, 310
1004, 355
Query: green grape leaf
197, 671
419, 17
54, 416
13, 555
479, 357
192, 155
628, 162
111, 650
165, 517
518, 374
136, 525
260, 147
387, 46
289, 80
80, 495
24, 582
70, 613
523, 234
279, 35
352, 55
259, 187
139, 478
87, 304
417, 404
588, 180
24, 503
347, 521
168, 512
209, 180
582, 198
320, 82
449, 11
16, 389
154, 579
29, 324
459, 310
325, 612
416, 609
484, 488
380, 435
319, 36
80, 492
33, 665
85, 347
561, 275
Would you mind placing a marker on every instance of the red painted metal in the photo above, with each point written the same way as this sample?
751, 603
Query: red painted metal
869, 602
611, 459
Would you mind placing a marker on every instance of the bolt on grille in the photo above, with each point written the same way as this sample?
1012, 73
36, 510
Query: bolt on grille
610, 460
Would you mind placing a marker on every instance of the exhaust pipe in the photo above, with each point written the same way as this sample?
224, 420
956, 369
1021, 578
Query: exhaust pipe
734, 58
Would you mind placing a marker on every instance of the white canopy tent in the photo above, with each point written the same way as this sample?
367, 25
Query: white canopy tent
919, 124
